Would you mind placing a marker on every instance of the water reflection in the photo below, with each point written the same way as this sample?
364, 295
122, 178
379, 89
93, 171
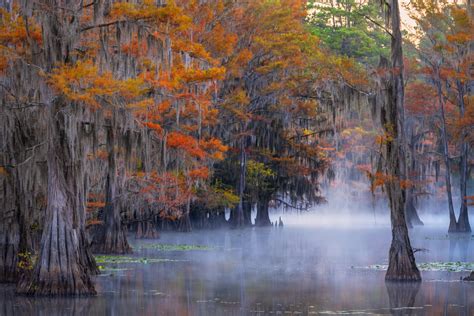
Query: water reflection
458, 246
267, 272
402, 297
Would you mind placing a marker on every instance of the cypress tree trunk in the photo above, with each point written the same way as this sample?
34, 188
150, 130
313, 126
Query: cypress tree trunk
21, 187
410, 206
401, 258
9, 235
247, 209
263, 218
444, 138
217, 218
64, 262
185, 220
238, 213
411, 213
110, 237
463, 221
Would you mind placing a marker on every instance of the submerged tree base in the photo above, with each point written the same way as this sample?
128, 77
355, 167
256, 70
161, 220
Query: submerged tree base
469, 278
146, 230
56, 284
402, 266
112, 242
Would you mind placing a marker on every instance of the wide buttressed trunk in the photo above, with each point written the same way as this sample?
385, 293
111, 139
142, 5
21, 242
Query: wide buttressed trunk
64, 263
402, 266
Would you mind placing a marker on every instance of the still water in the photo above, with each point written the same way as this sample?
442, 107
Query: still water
295, 270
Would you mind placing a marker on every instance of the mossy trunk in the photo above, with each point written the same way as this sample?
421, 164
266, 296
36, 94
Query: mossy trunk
9, 232
185, 221
9, 247
22, 186
64, 262
110, 237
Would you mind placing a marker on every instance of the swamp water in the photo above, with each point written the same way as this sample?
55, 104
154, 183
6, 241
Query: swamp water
295, 270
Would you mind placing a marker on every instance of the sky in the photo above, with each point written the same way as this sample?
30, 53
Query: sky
408, 23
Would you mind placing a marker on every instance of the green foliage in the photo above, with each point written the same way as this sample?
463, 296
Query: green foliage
344, 28
260, 178
223, 198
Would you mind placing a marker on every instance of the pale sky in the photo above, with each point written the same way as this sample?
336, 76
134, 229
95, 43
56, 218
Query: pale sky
408, 23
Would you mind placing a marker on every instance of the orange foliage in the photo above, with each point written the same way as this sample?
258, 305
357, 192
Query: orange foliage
186, 143
95, 204
156, 127
199, 173
82, 82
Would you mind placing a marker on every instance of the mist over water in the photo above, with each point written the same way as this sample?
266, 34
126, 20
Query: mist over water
316, 264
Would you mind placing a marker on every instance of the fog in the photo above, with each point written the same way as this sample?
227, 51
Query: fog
316, 264
346, 208
321, 262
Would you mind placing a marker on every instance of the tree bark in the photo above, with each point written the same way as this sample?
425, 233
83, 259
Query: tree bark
447, 163
185, 220
64, 263
263, 218
110, 237
402, 266
247, 210
410, 205
146, 230
410, 208
238, 216
21, 187
9, 240
463, 221
9, 231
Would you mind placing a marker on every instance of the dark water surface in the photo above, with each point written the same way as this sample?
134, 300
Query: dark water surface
271, 271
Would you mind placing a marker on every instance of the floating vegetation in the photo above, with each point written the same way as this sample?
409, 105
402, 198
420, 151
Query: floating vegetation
459, 236
368, 311
171, 247
124, 260
105, 269
457, 266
